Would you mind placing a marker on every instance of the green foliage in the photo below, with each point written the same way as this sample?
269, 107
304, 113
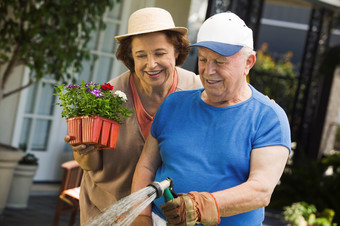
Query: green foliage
92, 99
28, 158
275, 77
332, 161
298, 212
49, 37
266, 63
316, 182
302, 213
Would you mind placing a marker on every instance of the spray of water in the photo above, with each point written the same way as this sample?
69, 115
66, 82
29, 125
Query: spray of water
127, 209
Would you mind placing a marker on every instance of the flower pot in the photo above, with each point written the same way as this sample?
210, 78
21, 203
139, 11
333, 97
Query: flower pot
74, 130
9, 158
93, 130
21, 186
112, 135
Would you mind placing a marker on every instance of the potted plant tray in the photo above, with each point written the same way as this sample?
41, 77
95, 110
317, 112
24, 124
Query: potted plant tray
93, 130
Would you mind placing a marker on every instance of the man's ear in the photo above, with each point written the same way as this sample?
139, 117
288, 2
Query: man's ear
250, 63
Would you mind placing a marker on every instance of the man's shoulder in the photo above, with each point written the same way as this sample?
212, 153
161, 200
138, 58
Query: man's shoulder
263, 99
267, 106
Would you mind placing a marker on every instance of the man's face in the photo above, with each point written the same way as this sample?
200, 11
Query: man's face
222, 77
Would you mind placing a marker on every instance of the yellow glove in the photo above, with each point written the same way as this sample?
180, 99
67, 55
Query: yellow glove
192, 208
142, 220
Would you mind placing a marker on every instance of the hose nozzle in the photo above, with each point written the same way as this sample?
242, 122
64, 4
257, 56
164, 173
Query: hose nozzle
160, 187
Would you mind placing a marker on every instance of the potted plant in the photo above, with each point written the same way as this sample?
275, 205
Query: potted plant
304, 214
93, 112
22, 180
9, 158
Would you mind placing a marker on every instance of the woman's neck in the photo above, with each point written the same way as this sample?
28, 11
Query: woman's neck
151, 97
153, 92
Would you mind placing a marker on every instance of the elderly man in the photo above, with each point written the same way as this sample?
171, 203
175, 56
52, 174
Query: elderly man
225, 146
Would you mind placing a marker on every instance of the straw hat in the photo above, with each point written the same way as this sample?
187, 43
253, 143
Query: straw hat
149, 20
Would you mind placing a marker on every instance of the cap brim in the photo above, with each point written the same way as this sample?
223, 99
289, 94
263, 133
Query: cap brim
181, 30
223, 49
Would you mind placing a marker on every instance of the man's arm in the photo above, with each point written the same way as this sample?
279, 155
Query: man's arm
266, 167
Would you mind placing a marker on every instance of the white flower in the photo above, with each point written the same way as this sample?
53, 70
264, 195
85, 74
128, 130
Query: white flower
39, 4
121, 95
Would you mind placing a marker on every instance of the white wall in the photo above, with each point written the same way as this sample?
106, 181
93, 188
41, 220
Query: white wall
9, 105
179, 9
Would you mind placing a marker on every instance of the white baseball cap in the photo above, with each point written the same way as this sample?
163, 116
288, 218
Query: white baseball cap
224, 33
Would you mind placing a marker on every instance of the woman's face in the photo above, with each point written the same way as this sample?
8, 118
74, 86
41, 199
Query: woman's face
154, 57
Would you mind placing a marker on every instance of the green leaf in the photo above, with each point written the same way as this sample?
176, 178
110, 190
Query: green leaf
49, 34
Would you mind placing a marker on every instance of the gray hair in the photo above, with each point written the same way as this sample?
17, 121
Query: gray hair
247, 51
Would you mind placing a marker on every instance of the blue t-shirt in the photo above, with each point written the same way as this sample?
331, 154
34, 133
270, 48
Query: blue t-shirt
206, 148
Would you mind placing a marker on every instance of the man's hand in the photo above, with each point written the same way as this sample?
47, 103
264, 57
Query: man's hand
190, 208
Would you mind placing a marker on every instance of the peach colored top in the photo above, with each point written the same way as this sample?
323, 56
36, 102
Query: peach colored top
143, 117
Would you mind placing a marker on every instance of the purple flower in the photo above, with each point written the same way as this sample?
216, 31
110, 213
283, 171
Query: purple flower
90, 84
97, 92
72, 86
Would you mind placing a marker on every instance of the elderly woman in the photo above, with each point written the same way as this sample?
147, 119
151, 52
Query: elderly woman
152, 49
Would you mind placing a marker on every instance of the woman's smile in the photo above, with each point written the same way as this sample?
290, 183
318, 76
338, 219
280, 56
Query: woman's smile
154, 74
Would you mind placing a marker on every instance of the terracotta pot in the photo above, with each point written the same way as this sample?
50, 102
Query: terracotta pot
74, 130
93, 130
114, 128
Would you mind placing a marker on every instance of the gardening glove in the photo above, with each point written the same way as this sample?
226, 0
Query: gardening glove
142, 220
192, 208
82, 149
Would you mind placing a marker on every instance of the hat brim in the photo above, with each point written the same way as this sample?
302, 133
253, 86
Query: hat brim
223, 49
181, 30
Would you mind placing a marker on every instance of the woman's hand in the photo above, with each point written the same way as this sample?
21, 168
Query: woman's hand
88, 156
82, 149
